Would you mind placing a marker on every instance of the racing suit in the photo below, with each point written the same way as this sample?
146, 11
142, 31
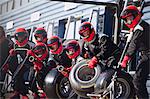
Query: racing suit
15, 62
38, 79
59, 59
103, 48
4, 51
141, 42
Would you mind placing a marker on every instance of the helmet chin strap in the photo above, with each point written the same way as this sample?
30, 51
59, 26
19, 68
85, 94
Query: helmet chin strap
93, 40
134, 22
58, 51
22, 43
74, 55
90, 38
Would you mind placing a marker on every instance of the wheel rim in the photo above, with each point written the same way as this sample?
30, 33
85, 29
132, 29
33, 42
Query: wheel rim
64, 87
122, 88
85, 74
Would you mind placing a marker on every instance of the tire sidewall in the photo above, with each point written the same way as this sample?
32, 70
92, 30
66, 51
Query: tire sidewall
82, 86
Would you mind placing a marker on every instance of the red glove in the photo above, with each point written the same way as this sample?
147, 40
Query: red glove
93, 62
86, 55
124, 62
12, 52
69, 69
65, 74
30, 52
37, 65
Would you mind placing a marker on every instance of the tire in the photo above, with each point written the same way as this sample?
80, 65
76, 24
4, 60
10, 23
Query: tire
124, 87
82, 94
63, 88
56, 85
82, 78
50, 82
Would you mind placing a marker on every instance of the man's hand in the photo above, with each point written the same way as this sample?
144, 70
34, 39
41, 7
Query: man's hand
38, 65
66, 74
125, 61
12, 52
93, 62
69, 69
30, 52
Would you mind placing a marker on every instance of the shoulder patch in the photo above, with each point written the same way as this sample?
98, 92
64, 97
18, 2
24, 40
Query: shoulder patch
138, 27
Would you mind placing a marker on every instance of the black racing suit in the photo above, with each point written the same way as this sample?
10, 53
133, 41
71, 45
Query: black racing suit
141, 42
38, 79
23, 75
59, 59
104, 49
4, 51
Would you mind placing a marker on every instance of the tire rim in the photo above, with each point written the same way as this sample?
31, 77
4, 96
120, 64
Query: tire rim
85, 74
122, 88
64, 87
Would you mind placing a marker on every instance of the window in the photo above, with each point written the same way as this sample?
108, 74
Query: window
10, 5
17, 3
4, 8
24, 2
49, 29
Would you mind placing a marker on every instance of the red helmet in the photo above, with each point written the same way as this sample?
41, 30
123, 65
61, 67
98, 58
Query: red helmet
40, 51
131, 16
73, 49
54, 44
21, 37
40, 35
87, 31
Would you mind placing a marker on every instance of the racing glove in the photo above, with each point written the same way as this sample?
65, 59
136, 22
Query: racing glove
66, 74
37, 65
93, 62
69, 69
30, 52
124, 62
12, 52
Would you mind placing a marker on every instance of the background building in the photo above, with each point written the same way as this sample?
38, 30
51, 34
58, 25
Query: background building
55, 16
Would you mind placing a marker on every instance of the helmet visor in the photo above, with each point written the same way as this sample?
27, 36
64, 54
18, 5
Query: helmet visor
53, 47
128, 20
21, 36
38, 38
39, 50
84, 33
70, 51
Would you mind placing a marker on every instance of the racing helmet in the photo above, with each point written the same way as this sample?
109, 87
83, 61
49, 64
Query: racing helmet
131, 16
41, 51
40, 35
87, 31
73, 49
54, 44
21, 37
